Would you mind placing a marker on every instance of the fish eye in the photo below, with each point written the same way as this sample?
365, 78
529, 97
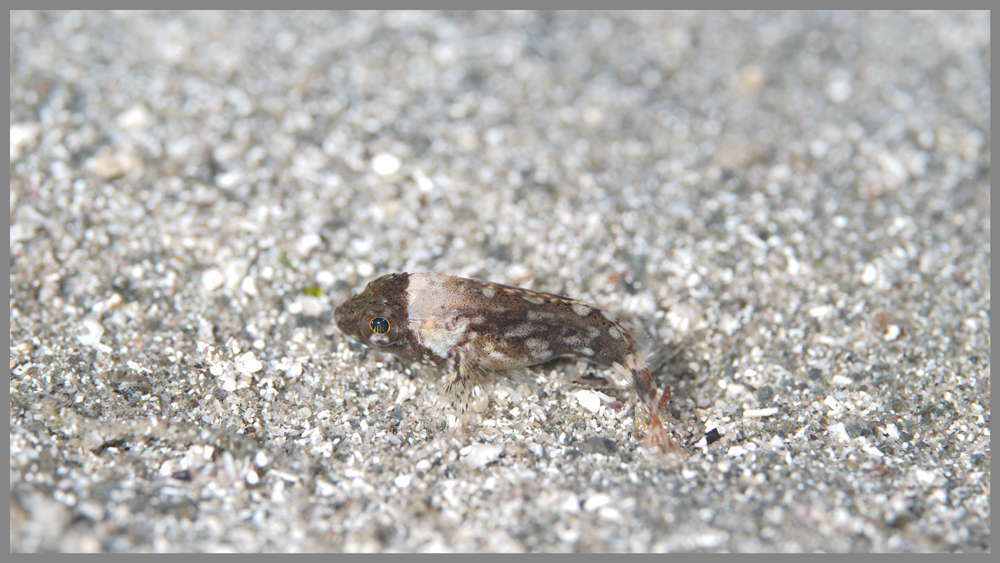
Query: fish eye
379, 325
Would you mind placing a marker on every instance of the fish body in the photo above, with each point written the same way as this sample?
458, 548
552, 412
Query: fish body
476, 331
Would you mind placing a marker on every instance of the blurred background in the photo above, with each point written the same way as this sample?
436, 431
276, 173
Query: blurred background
794, 205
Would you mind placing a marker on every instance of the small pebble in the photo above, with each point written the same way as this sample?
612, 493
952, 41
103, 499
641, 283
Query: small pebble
869, 275
594, 502
385, 164
248, 363
478, 455
115, 166
212, 279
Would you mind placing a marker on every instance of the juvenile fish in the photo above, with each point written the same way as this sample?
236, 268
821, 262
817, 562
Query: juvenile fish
476, 331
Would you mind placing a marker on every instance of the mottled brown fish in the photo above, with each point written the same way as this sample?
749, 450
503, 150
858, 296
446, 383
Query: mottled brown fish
477, 331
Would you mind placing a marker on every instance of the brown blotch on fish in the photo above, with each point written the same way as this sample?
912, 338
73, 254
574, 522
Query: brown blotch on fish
429, 317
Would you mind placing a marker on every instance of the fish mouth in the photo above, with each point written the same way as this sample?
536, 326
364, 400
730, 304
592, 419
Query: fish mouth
340, 316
